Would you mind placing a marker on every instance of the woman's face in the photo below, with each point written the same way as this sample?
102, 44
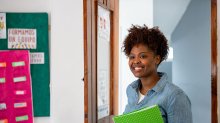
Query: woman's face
142, 61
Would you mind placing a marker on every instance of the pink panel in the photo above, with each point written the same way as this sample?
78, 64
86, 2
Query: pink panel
15, 87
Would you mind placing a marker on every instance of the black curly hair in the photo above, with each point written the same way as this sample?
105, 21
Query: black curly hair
153, 38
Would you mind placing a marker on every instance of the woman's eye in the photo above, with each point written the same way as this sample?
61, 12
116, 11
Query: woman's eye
131, 57
142, 56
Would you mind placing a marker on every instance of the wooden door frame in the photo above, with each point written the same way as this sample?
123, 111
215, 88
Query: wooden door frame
214, 100
87, 25
90, 57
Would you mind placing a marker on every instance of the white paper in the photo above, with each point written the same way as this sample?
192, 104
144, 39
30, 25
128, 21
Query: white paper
20, 79
37, 58
103, 67
22, 38
3, 106
2, 26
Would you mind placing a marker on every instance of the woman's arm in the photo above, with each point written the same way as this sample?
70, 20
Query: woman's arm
179, 109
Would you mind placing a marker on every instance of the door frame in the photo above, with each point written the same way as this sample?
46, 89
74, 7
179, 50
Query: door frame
214, 99
90, 58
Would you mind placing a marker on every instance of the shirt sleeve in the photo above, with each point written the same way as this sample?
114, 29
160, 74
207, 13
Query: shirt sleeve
127, 107
179, 109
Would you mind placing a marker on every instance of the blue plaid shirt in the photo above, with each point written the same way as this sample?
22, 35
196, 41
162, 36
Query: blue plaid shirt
174, 104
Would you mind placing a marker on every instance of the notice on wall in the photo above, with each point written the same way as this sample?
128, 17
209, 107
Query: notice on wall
103, 73
103, 93
37, 58
103, 24
22, 38
15, 82
2, 26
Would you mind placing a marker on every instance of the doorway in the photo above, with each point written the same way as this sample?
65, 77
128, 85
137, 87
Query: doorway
101, 61
192, 36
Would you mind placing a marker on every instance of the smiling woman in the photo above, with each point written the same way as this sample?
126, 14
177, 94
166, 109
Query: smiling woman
186, 24
146, 49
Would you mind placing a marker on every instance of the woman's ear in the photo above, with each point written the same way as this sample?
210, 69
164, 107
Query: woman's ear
158, 59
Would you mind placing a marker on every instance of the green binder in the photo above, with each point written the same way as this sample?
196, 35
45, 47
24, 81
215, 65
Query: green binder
149, 114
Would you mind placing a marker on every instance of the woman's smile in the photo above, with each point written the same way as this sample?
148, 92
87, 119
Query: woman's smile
137, 68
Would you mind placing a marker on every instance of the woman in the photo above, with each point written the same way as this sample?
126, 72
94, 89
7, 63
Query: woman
146, 48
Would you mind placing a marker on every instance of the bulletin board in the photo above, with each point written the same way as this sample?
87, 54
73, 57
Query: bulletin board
38, 45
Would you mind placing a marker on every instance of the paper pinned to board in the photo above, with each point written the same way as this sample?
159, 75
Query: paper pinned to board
4, 121
37, 58
22, 38
2, 25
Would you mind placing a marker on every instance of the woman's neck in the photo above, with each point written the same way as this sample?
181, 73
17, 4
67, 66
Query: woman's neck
148, 83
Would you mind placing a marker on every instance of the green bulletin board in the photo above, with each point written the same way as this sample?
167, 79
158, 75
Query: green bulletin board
40, 73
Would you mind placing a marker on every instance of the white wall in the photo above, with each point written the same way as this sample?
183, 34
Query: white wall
167, 14
130, 12
67, 66
25, 6
66, 49
166, 66
192, 58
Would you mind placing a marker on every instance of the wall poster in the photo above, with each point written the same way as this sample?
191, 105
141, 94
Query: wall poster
2, 25
15, 87
103, 62
22, 38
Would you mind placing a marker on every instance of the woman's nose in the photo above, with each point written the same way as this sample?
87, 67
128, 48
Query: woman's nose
137, 61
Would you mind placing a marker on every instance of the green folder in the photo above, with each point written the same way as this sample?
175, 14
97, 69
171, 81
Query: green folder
149, 114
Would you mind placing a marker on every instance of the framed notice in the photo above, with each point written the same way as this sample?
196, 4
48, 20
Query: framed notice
103, 63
